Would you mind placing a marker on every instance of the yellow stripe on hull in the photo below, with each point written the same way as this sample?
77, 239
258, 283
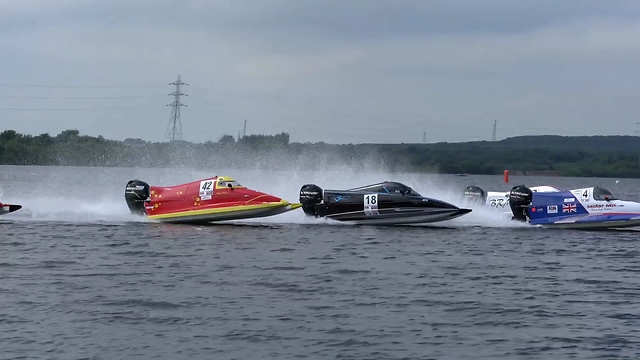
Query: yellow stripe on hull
228, 213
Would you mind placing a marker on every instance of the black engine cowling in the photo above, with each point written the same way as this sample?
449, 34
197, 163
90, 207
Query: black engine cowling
520, 197
475, 195
310, 196
136, 194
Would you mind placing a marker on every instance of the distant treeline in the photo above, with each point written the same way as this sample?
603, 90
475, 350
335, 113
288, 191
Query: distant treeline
602, 156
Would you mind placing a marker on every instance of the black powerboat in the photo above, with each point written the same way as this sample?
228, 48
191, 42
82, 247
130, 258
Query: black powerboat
385, 203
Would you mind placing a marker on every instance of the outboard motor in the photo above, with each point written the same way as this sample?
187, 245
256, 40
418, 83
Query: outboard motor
520, 197
475, 195
136, 194
310, 196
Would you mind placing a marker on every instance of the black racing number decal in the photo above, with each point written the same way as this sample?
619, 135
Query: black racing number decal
207, 185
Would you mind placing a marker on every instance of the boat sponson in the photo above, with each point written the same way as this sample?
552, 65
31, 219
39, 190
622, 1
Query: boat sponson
227, 213
404, 218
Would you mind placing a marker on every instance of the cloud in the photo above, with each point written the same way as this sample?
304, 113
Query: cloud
377, 71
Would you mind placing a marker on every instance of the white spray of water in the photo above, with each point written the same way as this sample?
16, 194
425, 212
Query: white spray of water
287, 185
66, 209
96, 195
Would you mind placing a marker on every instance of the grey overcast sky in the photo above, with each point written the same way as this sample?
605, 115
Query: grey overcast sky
338, 71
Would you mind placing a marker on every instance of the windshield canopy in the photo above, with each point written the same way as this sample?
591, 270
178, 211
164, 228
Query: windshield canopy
389, 187
602, 194
226, 181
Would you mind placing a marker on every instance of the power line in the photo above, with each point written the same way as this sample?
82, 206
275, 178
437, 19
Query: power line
74, 98
81, 86
174, 128
74, 109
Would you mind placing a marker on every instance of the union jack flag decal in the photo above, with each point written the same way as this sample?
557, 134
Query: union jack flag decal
569, 208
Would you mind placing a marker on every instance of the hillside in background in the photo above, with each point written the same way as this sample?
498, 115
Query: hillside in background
603, 156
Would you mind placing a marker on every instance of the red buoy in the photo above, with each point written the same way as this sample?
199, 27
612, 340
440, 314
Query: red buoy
506, 176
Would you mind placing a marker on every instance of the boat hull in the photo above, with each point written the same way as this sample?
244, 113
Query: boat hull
219, 198
584, 223
400, 216
589, 208
386, 203
594, 224
228, 213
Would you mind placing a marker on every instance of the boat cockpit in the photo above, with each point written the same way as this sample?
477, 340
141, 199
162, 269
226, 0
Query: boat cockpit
603, 194
389, 187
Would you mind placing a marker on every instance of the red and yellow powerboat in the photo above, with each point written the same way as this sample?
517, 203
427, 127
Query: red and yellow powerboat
219, 198
9, 208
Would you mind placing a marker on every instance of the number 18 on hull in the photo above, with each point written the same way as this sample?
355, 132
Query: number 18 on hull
385, 203
371, 204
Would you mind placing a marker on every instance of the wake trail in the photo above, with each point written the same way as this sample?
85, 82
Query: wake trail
65, 209
433, 187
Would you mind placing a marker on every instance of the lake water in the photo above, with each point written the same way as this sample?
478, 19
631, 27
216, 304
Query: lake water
82, 278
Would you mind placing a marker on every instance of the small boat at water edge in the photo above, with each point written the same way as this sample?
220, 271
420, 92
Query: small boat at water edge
9, 208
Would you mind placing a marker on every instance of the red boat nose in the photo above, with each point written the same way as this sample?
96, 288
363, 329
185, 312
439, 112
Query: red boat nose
270, 198
260, 197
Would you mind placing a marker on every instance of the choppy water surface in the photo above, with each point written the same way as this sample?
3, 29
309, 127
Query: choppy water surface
82, 279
